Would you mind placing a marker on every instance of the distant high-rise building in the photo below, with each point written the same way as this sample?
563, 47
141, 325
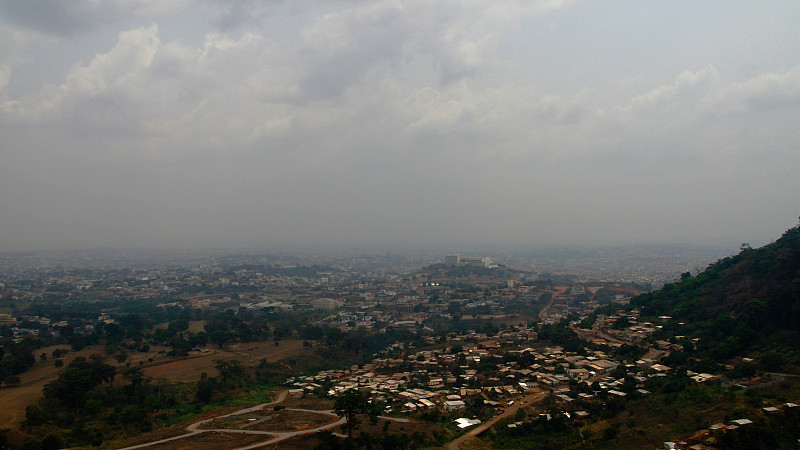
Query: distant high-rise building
451, 260
458, 260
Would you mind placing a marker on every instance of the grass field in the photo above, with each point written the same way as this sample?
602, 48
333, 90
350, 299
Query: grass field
15, 399
189, 369
195, 326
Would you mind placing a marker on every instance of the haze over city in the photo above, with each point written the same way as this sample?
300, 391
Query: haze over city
202, 123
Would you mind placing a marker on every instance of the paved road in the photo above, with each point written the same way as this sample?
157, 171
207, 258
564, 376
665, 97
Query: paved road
509, 412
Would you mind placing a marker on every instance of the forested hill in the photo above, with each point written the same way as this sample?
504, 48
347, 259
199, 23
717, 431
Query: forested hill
741, 305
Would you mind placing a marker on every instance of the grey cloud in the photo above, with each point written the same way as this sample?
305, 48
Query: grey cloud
230, 15
374, 121
53, 16
69, 18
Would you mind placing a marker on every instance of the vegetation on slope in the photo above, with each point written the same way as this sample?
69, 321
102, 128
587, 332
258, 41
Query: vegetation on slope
745, 304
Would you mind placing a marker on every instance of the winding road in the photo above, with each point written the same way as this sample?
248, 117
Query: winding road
277, 436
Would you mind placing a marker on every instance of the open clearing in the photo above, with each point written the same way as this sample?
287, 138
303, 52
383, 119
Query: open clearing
249, 353
212, 440
269, 420
295, 426
310, 402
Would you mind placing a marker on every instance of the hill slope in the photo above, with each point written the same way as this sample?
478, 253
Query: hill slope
742, 305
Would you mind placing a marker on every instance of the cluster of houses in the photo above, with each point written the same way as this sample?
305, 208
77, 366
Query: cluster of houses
31, 326
707, 439
446, 379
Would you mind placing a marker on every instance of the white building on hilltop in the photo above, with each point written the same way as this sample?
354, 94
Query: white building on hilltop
458, 260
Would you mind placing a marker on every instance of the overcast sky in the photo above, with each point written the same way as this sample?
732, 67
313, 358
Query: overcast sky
211, 123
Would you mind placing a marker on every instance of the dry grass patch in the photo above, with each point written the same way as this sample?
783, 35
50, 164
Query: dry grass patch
305, 441
268, 420
410, 427
311, 402
212, 440
249, 353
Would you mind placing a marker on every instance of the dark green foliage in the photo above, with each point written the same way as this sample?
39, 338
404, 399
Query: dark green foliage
205, 390
76, 380
348, 404
18, 358
588, 322
741, 304
52, 441
772, 360
742, 370
629, 352
366, 441
777, 432
540, 433
4, 444
34, 416
561, 334
231, 373
610, 432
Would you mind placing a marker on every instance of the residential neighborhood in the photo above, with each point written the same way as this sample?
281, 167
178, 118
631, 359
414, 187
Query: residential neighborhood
472, 345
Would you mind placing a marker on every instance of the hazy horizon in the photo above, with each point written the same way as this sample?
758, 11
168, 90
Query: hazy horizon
238, 124
429, 250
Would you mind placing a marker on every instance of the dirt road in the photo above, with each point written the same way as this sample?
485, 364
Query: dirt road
509, 412
271, 437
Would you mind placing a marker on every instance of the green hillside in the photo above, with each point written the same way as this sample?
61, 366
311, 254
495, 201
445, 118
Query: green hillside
743, 305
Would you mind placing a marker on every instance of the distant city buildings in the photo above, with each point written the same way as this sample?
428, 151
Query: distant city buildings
7, 319
458, 260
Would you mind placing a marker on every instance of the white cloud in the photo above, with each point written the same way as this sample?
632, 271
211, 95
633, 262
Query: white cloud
369, 110
766, 91
705, 92
689, 85
114, 79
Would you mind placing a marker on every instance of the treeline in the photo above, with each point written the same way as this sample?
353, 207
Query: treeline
560, 334
83, 407
15, 359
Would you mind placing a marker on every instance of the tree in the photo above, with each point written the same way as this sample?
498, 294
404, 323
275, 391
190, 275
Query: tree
771, 360
34, 416
231, 372
348, 404
52, 441
4, 438
205, 390
77, 380
136, 379
334, 337
219, 333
